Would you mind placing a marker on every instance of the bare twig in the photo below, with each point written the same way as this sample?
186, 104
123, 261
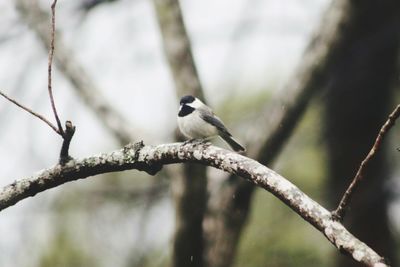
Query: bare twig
31, 112
51, 53
69, 128
152, 158
339, 213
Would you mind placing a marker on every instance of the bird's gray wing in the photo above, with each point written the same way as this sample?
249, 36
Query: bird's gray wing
209, 117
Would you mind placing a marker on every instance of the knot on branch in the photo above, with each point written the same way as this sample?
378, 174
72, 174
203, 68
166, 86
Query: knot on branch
132, 154
151, 168
338, 214
131, 151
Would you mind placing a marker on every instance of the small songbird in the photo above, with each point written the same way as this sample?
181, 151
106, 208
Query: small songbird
197, 121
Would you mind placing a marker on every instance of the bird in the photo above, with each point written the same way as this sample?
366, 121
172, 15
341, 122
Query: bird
197, 121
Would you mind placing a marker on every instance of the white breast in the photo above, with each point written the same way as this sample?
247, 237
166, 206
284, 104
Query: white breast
193, 126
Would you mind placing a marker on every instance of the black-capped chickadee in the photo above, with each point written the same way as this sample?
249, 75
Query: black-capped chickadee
197, 121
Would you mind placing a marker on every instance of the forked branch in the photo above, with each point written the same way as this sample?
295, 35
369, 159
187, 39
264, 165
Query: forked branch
69, 131
38, 20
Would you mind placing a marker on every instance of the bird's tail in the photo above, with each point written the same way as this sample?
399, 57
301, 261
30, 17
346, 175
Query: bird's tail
232, 143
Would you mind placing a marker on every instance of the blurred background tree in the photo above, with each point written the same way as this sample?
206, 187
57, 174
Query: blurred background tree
111, 61
360, 95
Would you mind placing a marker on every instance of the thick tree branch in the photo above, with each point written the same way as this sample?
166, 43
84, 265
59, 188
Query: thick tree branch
341, 209
152, 158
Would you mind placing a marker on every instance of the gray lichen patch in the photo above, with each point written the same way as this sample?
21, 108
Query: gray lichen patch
358, 255
197, 154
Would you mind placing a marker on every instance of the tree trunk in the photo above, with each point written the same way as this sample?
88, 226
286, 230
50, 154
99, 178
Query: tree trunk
190, 186
357, 105
230, 211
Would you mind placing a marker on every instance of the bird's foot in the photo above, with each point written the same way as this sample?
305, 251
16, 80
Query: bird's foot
187, 142
197, 142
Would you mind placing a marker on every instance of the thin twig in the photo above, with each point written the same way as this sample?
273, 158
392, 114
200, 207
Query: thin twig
31, 112
339, 213
69, 127
83, 84
51, 53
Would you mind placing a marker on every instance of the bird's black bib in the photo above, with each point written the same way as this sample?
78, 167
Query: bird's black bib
185, 110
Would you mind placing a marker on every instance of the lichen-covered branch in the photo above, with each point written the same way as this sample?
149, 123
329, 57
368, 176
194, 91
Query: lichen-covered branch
152, 158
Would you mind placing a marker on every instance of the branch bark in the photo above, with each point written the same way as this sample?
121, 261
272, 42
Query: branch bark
152, 158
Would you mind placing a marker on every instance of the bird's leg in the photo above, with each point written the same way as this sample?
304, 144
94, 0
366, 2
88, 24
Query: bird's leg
206, 141
197, 141
193, 141
190, 141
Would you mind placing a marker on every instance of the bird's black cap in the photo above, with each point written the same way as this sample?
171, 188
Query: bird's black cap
187, 99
